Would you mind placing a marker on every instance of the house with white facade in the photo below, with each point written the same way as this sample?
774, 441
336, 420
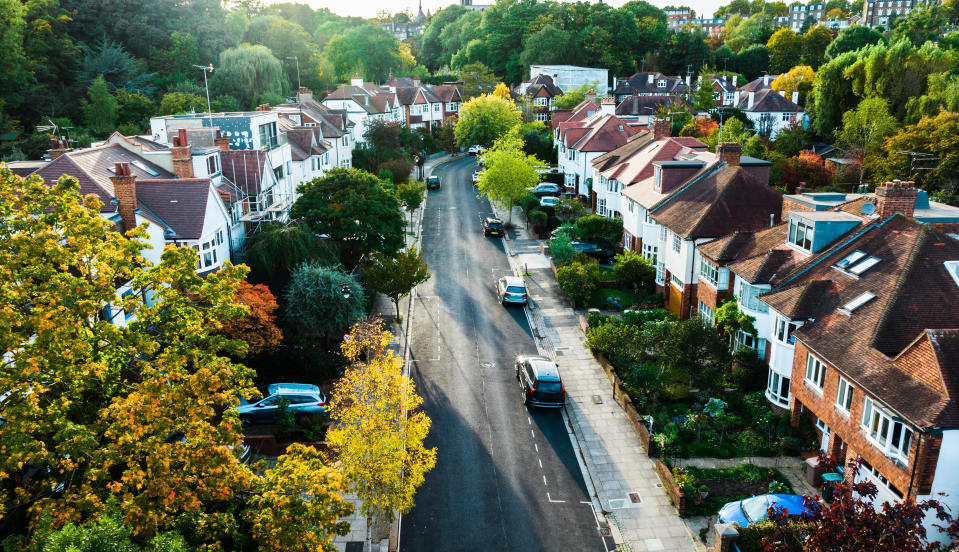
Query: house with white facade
582, 140
770, 112
362, 103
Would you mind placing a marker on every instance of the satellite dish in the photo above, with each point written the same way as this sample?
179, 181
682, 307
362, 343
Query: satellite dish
868, 208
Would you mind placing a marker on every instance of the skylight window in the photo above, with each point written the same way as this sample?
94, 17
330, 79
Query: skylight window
851, 306
850, 259
140, 165
952, 267
864, 265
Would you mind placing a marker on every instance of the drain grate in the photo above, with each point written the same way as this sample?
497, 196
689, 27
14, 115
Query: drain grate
634, 498
605, 532
597, 399
660, 485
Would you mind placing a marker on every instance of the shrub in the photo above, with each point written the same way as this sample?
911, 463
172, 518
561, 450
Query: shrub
529, 203
561, 249
749, 371
641, 318
618, 341
687, 482
607, 232
633, 272
578, 281
596, 319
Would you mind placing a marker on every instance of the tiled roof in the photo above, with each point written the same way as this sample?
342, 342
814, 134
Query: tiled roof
639, 83
648, 105
64, 165
756, 85
913, 294
767, 100
180, 203
740, 245
723, 201
604, 134
635, 159
543, 83
559, 116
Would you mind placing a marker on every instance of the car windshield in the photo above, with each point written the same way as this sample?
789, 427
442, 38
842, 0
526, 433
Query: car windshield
549, 386
755, 508
515, 289
494, 224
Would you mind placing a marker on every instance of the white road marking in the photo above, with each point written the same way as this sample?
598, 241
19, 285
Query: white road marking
536, 447
533, 434
544, 480
529, 420
540, 463
549, 498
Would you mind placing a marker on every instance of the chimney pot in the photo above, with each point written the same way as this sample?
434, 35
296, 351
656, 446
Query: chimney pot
661, 128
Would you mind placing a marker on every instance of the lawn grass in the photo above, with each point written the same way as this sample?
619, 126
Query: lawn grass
606, 274
598, 299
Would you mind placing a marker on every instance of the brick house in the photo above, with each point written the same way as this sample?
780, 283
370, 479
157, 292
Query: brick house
732, 195
876, 363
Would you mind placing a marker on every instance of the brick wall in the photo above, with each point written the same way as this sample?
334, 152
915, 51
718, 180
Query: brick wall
125, 190
790, 205
708, 294
847, 428
895, 197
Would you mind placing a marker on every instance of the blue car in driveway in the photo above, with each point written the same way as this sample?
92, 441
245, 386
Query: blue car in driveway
756, 508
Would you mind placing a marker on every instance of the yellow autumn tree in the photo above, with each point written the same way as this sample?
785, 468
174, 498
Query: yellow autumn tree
502, 91
139, 415
378, 432
799, 78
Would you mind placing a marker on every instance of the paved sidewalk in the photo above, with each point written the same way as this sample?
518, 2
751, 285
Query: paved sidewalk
617, 467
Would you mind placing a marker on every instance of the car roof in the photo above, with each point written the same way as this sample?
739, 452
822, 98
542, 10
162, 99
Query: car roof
493, 219
292, 388
513, 281
545, 368
433, 176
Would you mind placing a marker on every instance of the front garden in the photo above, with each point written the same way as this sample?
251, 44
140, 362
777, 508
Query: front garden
707, 490
696, 398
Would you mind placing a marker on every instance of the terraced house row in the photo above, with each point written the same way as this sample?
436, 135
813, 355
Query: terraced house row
855, 296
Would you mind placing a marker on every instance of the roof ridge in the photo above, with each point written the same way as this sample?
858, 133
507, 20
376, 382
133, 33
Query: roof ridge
904, 275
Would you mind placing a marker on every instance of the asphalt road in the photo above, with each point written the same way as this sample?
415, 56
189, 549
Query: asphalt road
506, 478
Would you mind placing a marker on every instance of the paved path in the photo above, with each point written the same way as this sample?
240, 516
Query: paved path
617, 466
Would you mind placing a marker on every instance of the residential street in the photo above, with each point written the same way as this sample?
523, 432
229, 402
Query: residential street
505, 478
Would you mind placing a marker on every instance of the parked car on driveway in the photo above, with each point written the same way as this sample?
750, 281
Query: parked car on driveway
492, 227
756, 508
539, 379
547, 189
475, 150
304, 400
548, 201
433, 183
601, 254
511, 290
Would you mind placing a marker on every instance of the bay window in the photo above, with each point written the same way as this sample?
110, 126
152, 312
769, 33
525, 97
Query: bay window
717, 276
888, 433
785, 329
749, 298
777, 389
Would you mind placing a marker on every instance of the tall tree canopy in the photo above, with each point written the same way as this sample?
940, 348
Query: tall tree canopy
248, 72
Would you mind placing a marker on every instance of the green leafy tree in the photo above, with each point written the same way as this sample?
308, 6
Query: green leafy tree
108, 532
484, 119
323, 300
100, 110
851, 39
368, 49
702, 98
942, 93
175, 63
730, 320
174, 103
832, 94
509, 174
815, 42
561, 249
117, 66
574, 97
549, 45
432, 53
395, 276
633, 271
355, 209
134, 110
378, 439
248, 72
785, 50
695, 354
578, 281
604, 231
867, 126
929, 135
278, 248
923, 24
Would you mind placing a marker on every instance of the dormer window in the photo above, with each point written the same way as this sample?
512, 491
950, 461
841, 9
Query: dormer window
213, 164
800, 234
661, 83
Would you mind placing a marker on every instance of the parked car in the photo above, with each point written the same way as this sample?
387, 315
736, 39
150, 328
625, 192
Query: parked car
511, 290
756, 508
548, 201
546, 189
492, 227
477, 174
304, 400
433, 183
539, 379
601, 254
475, 150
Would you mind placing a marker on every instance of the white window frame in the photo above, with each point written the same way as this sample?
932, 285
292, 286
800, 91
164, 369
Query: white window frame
677, 242
649, 253
749, 297
601, 207
844, 391
815, 373
660, 274
783, 331
805, 242
706, 312
882, 429
715, 275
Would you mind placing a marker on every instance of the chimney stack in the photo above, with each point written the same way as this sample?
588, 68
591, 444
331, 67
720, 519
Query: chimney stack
729, 153
221, 142
766, 79
125, 190
735, 78
356, 80
182, 158
416, 82
607, 106
57, 148
896, 197
661, 128
590, 95
651, 77
304, 94
263, 107
796, 97
803, 188
752, 100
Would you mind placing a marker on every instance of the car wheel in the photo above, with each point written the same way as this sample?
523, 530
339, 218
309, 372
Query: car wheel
525, 398
246, 420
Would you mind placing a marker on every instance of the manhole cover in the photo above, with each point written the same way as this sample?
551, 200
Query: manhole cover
660, 485
354, 546
597, 399
486, 364
634, 498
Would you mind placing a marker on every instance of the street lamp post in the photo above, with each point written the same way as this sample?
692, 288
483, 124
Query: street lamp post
297, 70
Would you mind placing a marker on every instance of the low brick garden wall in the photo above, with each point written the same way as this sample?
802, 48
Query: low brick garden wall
676, 496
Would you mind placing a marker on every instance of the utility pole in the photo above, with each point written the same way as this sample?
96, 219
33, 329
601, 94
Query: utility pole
297, 71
